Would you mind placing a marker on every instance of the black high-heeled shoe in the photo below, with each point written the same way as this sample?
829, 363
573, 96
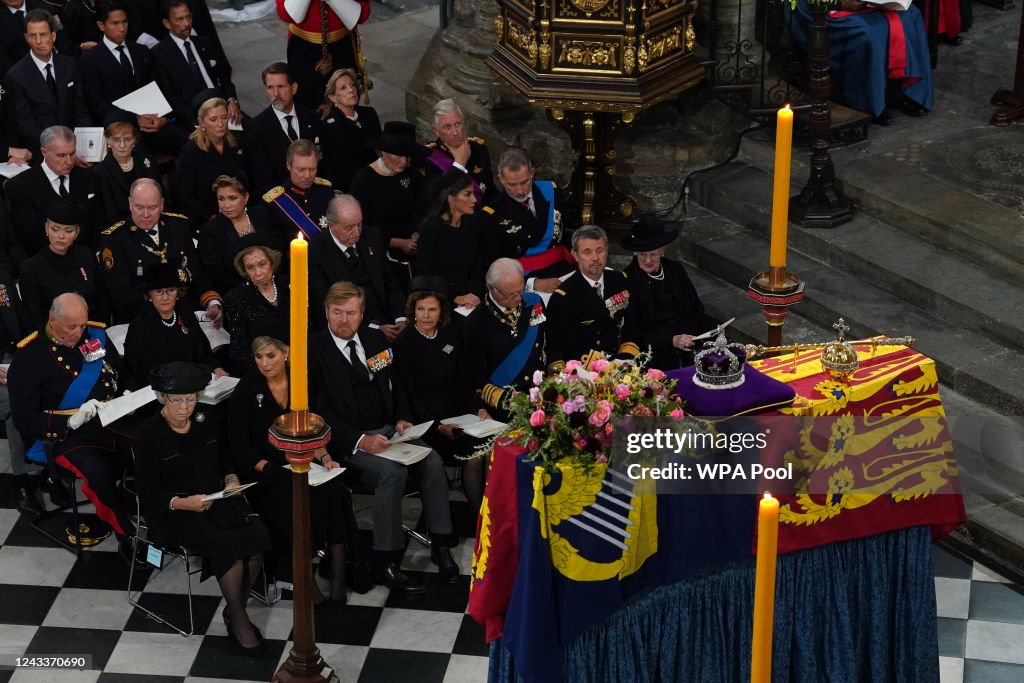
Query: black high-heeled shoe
259, 650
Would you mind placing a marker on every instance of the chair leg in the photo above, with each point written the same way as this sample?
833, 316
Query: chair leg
412, 533
135, 601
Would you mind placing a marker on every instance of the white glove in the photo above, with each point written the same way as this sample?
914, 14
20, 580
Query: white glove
84, 414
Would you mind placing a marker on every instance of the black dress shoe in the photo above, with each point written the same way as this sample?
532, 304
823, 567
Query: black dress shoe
441, 555
912, 108
59, 495
883, 119
26, 502
124, 548
397, 580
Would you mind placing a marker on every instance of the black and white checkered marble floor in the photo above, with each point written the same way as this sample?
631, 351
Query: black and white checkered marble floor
52, 604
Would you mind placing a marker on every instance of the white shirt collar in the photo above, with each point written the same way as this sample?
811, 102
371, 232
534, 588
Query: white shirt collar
41, 65
280, 114
112, 46
21, 8
181, 43
342, 343
591, 283
338, 242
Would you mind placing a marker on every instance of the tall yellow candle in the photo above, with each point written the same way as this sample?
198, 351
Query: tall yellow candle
299, 255
780, 187
764, 589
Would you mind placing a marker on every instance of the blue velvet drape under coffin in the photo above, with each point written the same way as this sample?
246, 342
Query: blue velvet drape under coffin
857, 611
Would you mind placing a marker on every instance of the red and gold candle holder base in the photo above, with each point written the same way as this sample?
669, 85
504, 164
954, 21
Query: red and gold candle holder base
776, 290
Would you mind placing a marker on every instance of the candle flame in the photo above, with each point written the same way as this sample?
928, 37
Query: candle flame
299, 236
767, 496
786, 107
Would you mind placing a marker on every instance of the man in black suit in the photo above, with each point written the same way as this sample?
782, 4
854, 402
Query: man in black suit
186, 65
354, 388
349, 251
115, 68
31, 193
268, 134
12, 31
45, 85
591, 310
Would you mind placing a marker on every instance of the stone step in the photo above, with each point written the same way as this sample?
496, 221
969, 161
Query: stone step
983, 232
967, 361
927, 276
989, 445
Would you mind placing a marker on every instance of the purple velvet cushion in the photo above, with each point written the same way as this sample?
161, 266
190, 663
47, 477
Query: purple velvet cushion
758, 392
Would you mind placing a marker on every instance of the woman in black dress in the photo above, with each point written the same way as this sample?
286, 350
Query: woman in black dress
669, 310
349, 128
126, 161
389, 191
181, 458
165, 331
212, 151
449, 245
63, 266
219, 237
430, 359
260, 397
263, 294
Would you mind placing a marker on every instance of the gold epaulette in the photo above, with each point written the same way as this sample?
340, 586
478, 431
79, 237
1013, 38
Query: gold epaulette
273, 193
479, 141
174, 215
560, 291
488, 209
112, 228
322, 181
28, 340
99, 325
209, 296
629, 348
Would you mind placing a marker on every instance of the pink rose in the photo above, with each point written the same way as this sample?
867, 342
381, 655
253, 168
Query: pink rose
599, 416
677, 414
537, 418
572, 365
599, 365
608, 429
605, 405
655, 373
569, 407
621, 391
534, 394
538, 377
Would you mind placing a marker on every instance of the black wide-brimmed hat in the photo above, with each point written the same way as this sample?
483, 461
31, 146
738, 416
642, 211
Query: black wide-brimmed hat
399, 138
64, 213
256, 239
428, 283
179, 377
647, 235
160, 276
118, 115
275, 328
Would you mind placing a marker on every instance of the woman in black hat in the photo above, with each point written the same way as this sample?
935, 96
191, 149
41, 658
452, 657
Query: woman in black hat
389, 191
263, 294
165, 331
212, 151
431, 364
64, 266
126, 161
236, 218
449, 245
669, 310
349, 128
180, 459
260, 397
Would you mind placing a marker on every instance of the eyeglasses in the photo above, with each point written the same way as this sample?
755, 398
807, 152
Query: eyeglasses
509, 295
183, 401
163, 292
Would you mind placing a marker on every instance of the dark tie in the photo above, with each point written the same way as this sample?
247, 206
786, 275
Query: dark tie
597, 289
51, 83
63, 191
21, 16
292, 135
197, 75
357, 364
351, 256
125, 62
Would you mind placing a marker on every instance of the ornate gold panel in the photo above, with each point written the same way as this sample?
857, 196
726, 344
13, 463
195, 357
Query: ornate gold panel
587, 54
523, 40
590, 12
659, 46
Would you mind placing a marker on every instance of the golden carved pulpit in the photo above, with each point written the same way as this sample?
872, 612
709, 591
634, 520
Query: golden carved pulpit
594, 65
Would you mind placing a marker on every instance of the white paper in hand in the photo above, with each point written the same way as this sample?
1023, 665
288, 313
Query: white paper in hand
405, 453
125, 405
412, 433
217, 338
148, 99
228, 492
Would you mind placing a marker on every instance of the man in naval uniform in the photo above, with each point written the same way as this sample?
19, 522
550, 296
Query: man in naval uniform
452, 149
591, 310
505, 337
528, 221
149, 237
58, 379
302, 203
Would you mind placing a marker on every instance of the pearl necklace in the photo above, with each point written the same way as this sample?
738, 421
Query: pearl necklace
384, 169
248, 222
129, 166
173, 322
659, 276
424, 334
269, 299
